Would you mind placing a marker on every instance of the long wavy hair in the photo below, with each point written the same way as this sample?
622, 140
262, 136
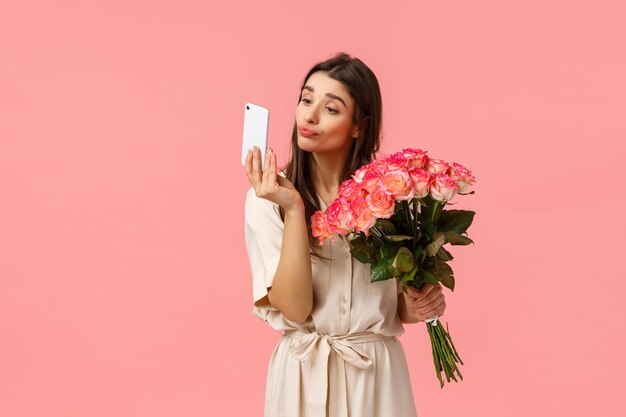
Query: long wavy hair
364, 89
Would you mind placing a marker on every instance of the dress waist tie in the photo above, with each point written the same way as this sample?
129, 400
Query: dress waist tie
316, 348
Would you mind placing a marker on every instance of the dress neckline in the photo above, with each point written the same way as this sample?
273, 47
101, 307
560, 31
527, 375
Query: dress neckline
323, 205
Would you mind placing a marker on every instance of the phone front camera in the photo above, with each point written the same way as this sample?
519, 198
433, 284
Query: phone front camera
247, 107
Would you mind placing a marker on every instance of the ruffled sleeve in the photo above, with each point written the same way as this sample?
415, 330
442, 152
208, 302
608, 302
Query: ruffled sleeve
264, 236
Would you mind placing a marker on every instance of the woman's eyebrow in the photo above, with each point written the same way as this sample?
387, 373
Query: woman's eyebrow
333, 96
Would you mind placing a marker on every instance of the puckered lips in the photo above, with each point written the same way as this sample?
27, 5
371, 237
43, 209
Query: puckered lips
306, 132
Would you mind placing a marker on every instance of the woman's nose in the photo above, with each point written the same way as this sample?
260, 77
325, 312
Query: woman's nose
310, 116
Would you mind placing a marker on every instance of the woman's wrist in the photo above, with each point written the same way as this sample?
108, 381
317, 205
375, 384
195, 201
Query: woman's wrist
296, 207
403, 311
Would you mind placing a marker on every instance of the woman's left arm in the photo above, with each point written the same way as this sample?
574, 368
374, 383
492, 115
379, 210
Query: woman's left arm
416, 305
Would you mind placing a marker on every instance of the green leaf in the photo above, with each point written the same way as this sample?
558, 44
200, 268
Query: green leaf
359, 243
448, 281
361, 256
444, 274
397, 238
388, 250
428, 278
418, 251
386, 226
433, 247
456, 239
404, 260
444, 255
375, 244
380, 271
409, 276
361, 250
428, 228
456, 221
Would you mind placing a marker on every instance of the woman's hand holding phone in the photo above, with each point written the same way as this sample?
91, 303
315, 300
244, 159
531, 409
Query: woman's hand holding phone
268, 184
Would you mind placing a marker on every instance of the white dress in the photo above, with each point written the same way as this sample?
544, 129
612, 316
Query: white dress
345, 360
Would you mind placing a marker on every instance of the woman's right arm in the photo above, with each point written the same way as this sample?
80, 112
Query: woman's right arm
292, 287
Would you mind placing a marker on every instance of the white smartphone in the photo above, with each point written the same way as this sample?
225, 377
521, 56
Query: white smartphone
255, 125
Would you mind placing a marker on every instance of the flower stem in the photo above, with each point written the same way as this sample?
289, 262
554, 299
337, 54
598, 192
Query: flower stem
407, 215
456, 354
436, 358
415, 221
445, 355
432, 215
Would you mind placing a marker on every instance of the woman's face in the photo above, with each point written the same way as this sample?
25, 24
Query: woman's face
324, 115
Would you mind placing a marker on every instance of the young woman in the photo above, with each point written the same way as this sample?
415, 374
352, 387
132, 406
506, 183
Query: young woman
339, 355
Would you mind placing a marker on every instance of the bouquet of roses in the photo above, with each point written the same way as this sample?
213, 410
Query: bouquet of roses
393, 210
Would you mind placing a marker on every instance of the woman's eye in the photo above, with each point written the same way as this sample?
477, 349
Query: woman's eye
309, 101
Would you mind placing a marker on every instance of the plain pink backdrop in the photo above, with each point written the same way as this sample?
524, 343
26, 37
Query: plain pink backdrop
124, 280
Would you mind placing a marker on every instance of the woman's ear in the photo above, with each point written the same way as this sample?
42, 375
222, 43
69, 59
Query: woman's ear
358, 131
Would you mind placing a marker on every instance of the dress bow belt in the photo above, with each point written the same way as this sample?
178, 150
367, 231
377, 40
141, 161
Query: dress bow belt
315, 348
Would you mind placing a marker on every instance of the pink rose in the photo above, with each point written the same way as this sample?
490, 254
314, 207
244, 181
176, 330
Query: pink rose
359, 174
421, 180
416, 158
319, 227
398, 184
350, 189
443, 188
363, 217
396, 161
339, 216
437, 166
462, 176
380, 163
369, 176
380, 203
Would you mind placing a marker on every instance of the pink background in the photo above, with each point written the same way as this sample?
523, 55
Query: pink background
124, 281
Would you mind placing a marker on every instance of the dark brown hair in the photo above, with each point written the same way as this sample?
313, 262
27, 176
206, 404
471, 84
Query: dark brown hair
363, 87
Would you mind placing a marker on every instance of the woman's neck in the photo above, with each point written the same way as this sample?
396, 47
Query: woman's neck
327, 172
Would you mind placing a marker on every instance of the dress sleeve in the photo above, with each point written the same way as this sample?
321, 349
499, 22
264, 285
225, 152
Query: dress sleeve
264, 236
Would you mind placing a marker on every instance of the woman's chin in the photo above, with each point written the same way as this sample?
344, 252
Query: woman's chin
305, 144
